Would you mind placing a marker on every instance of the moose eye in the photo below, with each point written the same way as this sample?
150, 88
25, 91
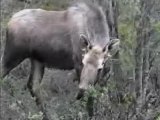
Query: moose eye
104, 49
90, 47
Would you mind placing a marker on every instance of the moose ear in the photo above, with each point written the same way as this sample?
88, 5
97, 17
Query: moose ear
113, 47
85, 40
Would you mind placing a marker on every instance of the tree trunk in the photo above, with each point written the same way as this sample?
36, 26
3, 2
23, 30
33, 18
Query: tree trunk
142, 69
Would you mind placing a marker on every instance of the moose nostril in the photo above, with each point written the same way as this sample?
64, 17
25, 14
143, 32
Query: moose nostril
82, 90
99, 70
80, 94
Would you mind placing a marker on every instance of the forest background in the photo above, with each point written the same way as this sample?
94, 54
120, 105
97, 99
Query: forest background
131, 90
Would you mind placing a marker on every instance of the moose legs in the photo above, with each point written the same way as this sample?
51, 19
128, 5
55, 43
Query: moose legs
36, 75
34, 83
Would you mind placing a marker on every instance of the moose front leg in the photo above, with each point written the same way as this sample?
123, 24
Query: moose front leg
78, 68
78, 73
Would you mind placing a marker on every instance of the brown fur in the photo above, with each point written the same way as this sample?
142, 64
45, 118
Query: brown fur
52, 39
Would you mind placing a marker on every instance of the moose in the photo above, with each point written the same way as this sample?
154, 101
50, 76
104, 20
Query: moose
75, 38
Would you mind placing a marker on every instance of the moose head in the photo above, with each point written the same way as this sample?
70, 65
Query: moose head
94, 58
